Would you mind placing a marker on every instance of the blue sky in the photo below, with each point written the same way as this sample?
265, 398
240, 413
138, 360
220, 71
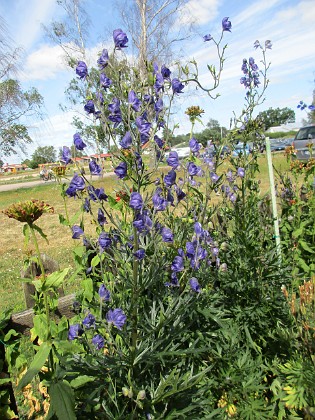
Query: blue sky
289, 24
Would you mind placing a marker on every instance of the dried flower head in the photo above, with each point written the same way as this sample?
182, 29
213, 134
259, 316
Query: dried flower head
28, 211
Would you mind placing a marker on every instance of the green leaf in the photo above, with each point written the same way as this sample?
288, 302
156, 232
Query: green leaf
42, 234
87, 285
26, 233
56, 278
36, 365
306, 247
62, 400
63, 220
81, 380
95, 261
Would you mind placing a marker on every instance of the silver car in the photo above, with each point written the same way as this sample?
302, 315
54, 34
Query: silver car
302, 141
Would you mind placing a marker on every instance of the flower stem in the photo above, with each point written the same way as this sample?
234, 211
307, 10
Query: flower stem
43, 276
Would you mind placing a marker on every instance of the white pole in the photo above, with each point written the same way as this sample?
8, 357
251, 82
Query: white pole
273, 198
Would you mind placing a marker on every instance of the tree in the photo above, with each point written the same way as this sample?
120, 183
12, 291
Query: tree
15, 104
44, 154
151, 26
275, 117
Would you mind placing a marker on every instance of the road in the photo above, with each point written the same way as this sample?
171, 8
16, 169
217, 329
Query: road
29, 184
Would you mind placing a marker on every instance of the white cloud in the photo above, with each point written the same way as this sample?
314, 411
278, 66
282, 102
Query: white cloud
43, 64
27, 25
200, 11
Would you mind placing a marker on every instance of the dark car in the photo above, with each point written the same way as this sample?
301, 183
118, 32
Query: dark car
302, 141
280, 144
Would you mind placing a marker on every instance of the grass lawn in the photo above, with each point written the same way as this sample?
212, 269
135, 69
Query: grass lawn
12, 250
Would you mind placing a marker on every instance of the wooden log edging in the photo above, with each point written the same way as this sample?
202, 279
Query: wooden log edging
23, 321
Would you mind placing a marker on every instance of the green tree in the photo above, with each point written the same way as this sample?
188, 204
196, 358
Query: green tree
44, 154
15, 104
275, 117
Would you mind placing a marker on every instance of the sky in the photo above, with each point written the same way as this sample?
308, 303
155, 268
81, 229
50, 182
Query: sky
289, 24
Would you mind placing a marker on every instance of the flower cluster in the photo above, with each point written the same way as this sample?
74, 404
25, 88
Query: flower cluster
28, 211
251, 72
302, 105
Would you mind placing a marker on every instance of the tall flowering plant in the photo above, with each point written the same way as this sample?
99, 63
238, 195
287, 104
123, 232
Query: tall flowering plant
141, 331
179, 276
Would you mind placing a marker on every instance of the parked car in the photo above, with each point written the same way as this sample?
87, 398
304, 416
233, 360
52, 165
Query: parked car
304, 137
280, 144
240, 148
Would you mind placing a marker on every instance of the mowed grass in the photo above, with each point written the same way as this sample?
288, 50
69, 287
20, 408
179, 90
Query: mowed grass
13, 252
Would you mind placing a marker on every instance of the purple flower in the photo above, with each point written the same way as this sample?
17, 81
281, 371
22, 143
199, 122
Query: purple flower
159, 203
252, 64
120, 39
159, 142
81, 70
103, 60
134, 101
241, 172
214, 177
229, 176
226, 24
104, 293
180, 194
116, 317
166, 72
97, 193
192, 169
158, 107
214, 251
170, 178
121, 170
159, 83
149, 99
87, 205
144, 128
76, 232
126, 141
177, 264
89, 321
95, 169
138, 161
78, 142
207, 37
257, 44
142, 222
66, 155
101, 217
136, 201
232, 197
268, 44
139, 255
104, 240
98, 341
89, 107
77, 184
174, 281
167, 235
115, 112
75, 331
198, 229
105, 81
173, 160
194, 145
195, 286
177, 86
311, 107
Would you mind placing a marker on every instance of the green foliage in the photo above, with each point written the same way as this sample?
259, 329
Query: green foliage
43, 154
274, 117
